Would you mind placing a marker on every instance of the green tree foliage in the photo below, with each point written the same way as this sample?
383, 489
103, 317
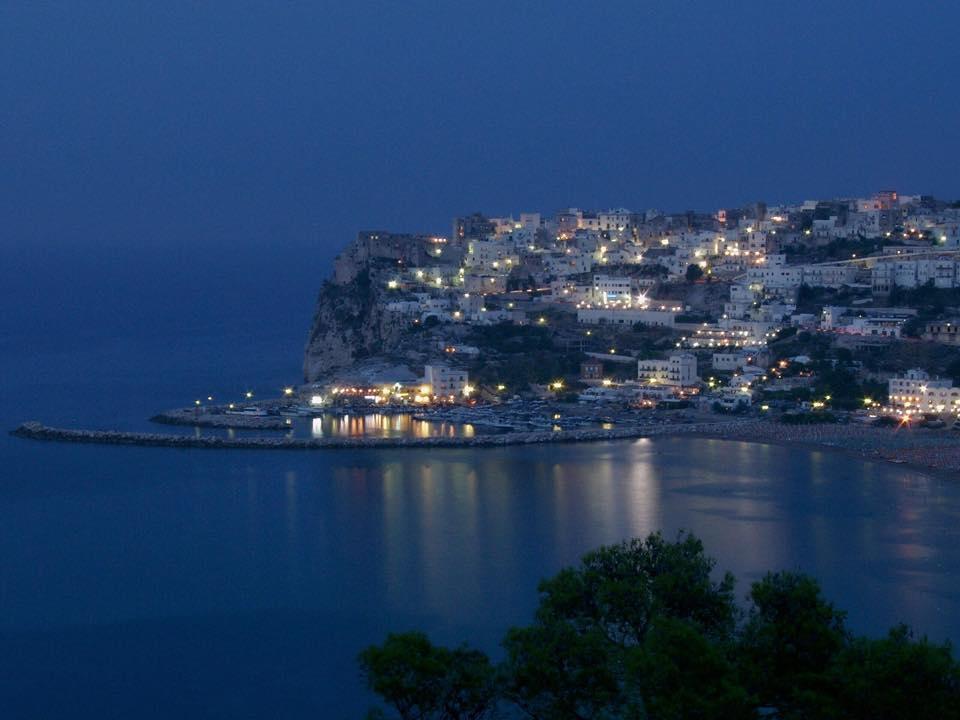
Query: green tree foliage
425, 682
791, 640
897, 677
646, 630
694, 272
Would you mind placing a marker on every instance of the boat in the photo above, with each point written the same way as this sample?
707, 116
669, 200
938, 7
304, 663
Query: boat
299, 411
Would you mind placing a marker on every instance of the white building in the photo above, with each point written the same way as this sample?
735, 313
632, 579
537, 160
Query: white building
829, 276
913, 273
679, 370
627, 316
730, 360
916, 392
444, 381
609, 288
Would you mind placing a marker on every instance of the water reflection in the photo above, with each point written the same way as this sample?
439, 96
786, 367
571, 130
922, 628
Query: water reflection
334, 549
384, 426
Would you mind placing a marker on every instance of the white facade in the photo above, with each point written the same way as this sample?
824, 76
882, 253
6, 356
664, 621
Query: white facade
942, 272
626, 316
445, 381
679, 370
608, 289
830, 276
917, 392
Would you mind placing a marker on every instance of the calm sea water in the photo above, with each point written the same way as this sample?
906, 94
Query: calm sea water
141, 582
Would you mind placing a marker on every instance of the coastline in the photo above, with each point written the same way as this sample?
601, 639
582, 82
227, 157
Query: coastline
917, 450
926, 453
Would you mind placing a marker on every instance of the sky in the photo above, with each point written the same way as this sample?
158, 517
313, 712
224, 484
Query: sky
248, 128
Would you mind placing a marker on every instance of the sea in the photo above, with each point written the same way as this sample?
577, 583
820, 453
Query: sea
168, 583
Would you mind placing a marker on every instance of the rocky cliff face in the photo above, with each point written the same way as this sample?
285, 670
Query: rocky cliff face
349, 324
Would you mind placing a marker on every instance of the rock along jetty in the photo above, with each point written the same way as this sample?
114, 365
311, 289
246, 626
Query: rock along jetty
188, 416
38, 431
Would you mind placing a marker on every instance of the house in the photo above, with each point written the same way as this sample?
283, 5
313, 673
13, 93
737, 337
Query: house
678, 370
591, 370
444, 381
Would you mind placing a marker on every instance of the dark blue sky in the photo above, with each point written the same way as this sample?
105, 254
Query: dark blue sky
167, 125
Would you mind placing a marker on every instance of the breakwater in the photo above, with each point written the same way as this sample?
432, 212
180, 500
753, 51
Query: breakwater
190, 417
38, 431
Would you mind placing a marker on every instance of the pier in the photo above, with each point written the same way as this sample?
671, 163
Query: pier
39, 431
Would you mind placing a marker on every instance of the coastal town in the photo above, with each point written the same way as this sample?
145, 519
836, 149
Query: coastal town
834, 323
806, 311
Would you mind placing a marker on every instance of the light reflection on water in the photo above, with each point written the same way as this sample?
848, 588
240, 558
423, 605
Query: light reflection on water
386, 426
258, 561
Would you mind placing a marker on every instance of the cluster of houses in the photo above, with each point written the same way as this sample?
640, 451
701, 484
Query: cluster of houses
382, 385
603, 265
604, 269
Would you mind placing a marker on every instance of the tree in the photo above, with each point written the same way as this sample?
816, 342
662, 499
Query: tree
897, 677
642, 630
592, 629
426, 682
694, 272
790, 641
680, 674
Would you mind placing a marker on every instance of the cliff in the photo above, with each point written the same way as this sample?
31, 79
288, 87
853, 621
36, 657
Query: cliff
349, 324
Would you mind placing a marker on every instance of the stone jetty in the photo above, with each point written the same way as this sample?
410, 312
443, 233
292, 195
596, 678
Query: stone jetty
189, 416
38, 431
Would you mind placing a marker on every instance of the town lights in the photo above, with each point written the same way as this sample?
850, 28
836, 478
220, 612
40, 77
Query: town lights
501, 387
248, 394
288, 391
392, 284
556, 385
468, 390
196, 402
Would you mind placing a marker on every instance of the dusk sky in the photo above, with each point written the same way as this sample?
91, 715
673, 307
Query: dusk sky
271, 124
